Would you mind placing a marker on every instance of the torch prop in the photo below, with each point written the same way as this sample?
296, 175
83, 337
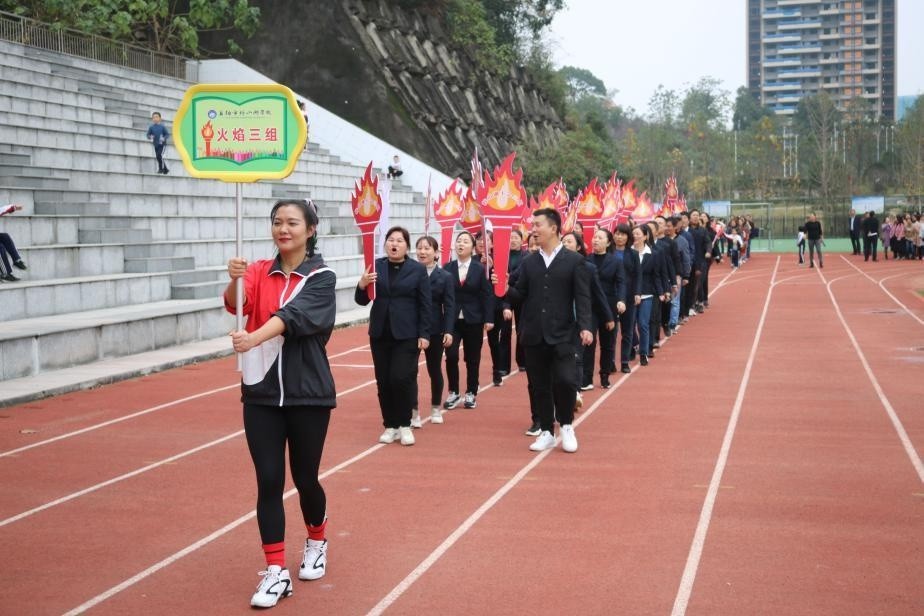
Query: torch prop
502, 200
367, 209
446, 210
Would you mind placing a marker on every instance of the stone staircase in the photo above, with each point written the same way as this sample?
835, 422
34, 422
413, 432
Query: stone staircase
123, 260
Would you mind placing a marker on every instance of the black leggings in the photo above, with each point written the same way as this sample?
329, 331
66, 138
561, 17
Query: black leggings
268, 429
434, 356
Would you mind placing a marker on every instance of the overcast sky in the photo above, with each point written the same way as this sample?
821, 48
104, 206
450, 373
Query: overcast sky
635, 45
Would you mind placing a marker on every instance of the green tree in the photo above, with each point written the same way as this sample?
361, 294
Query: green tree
581, 82
579, 156
909, 142
161, 25
817, 120
747, 110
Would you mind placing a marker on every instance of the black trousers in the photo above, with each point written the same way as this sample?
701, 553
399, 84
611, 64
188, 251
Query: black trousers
470, 335
627, 331
159, 155
500, 340
870, 245
269, 429
520, 352
654, 324
690, 292
607, 340
552, 374
395, 364
855, 241
434, 357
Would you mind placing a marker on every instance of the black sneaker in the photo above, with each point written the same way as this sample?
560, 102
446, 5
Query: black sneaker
498, 380
605, 381
11, 278
534, 430
18, 263
626, 369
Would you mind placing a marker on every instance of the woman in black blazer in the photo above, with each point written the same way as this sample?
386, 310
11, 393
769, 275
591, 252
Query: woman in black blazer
474, 315
650, 286
612, 277
399, 326
630, 265
442, 322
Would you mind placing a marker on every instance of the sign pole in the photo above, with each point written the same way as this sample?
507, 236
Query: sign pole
239, 286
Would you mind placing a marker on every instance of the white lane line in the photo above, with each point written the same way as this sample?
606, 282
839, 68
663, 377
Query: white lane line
699, 537
469, 522
893, 416
159, 407
142, 470
887, 292
204, 541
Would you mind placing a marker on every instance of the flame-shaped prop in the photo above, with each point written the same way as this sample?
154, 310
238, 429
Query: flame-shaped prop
447, 209
671, 201
590, 205
629, 199
367, 209
503, 200
555, 196
471, 213
612, 202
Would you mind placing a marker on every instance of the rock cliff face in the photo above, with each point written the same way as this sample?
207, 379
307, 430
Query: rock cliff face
394, 74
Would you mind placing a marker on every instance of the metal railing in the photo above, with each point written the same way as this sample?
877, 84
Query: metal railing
26, 31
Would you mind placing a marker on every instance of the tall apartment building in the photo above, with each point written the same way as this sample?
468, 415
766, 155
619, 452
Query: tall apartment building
846, 48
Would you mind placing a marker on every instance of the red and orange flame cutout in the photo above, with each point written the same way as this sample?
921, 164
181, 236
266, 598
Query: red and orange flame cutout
555, 196
367, 210
447, 209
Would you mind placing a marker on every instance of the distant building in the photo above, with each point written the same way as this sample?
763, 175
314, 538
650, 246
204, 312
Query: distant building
797, 48
903, 104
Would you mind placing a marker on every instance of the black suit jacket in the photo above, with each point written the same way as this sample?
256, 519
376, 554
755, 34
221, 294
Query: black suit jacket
612, 275
555, 300
475, 296
651, 274
857, 225
443, 296
599, 304
406, 305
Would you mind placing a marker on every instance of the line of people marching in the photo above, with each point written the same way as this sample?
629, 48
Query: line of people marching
639, 284
562, 300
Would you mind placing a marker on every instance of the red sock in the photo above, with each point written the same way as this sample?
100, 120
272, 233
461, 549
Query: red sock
316, 533
275, 553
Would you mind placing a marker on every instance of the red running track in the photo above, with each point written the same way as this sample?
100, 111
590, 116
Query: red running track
765, 462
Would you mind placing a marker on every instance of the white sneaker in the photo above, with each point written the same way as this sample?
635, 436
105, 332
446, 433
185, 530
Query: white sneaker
470, 401
314, 561
415, 419
452, 401
436, 415
568, 439
407, 437
545, 440
275, 585
390, 435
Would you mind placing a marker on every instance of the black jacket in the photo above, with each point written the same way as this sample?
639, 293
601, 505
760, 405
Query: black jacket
291, 369
652, 279
871, 226
443, 303
476, 296
554, 300
405, 305
612, 275
631, 266
599, 303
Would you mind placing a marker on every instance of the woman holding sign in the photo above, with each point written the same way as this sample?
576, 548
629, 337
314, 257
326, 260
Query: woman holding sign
399, 328
287, 387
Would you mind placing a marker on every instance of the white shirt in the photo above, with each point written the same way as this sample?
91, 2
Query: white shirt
548, 258
463, 269
641, 259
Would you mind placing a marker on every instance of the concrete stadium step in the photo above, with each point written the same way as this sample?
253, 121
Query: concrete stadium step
37, 230
73, 260
31, 346
112, 236
158, 264
38, 298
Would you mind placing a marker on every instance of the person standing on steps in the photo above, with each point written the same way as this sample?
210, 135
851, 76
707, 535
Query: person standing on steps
8, 249
158, 134
553, 288
287, 387
399, 328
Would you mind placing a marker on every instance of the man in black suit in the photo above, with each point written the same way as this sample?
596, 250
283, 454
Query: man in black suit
553, 288
870, 230
856, 222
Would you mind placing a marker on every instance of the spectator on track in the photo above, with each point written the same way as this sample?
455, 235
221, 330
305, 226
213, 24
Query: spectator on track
287, 387
399, 328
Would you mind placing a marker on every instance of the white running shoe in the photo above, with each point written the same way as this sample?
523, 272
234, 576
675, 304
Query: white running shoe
275, 585
545, 440
415, 419
452, 401
407, 437
314, 561
390, 435
470, 401
568, 439
436, 415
